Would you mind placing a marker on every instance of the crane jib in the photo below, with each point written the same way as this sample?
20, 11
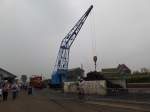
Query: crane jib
61, 65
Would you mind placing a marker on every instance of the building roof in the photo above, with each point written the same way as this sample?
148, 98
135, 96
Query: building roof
9, 75
107, 70
117, 70
75, 69
116, 73
123, 67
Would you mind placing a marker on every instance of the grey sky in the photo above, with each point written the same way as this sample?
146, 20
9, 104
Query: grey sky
31, 32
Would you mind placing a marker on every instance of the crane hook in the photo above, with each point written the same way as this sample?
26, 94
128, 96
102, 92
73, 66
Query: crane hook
95, 60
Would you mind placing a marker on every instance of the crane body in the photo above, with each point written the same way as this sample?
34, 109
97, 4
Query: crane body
61, 65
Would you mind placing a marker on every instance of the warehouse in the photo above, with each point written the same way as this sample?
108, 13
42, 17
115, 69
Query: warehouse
5, 75
117, 75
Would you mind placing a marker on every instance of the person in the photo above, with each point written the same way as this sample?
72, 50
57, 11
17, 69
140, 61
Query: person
19, 88
14, 91
25, 86
80, 90
5, 90
0, 92
30, 89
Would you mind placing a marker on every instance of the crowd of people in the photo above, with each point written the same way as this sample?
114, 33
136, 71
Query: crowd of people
13, 89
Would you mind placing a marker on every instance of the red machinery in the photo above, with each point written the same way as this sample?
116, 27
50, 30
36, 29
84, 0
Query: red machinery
36, 81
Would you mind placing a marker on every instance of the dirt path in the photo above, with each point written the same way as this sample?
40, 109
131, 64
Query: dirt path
41, 102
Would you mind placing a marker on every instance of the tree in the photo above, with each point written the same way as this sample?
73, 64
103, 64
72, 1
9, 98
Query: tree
144, 70
24, 78
136, 72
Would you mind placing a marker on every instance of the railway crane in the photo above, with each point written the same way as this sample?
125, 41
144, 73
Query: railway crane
61, 65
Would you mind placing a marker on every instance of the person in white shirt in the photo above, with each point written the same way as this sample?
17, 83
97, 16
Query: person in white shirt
81, 89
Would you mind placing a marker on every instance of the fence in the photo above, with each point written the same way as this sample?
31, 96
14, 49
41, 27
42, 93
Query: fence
89, 87
99, 88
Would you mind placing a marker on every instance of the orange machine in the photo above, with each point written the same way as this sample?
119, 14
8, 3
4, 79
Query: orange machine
36, 81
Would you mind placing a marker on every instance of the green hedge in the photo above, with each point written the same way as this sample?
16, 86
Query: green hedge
140, 78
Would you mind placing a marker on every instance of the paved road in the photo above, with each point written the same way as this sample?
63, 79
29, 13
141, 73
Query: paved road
52, 101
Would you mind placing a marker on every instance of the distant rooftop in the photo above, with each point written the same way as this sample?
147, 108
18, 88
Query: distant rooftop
118, 69
75, 69
115, 73
6, 74
110, 70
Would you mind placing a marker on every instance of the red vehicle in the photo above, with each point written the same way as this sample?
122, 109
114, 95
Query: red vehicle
36, 81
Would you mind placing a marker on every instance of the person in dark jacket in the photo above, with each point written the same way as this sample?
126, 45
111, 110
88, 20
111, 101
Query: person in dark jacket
5, 91
30, 89
0, 92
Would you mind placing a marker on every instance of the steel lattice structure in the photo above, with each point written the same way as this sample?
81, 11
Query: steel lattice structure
61, 65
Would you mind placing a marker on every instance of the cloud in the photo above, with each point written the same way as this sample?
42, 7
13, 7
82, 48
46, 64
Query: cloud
31, 32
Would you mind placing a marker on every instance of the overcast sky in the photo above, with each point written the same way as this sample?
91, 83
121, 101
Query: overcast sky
31, 32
